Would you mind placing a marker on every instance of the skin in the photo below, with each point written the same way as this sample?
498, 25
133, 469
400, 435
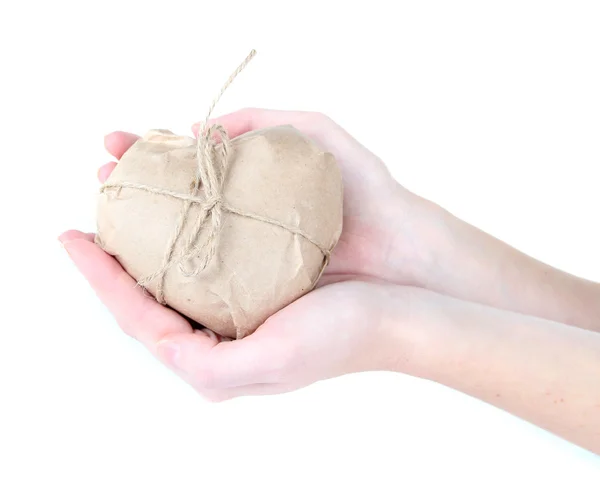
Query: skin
410, 288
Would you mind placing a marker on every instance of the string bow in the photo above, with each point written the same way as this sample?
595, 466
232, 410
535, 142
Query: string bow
210, 176
213, 150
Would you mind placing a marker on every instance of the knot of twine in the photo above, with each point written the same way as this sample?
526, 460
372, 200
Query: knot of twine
210, 177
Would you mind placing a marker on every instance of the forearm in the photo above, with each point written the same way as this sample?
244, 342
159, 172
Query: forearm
469, 264
544, 372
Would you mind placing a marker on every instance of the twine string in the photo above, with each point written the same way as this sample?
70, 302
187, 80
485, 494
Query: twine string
210, 176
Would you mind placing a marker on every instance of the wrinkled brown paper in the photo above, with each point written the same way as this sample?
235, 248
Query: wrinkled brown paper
258, 268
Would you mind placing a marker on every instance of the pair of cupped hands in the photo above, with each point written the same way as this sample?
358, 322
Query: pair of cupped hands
359, 318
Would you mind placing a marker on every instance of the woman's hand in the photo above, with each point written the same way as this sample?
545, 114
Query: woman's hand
343, 326
339, 328
385, 225
392, 234
354, 321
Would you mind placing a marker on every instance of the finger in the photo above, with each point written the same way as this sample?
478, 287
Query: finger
234, 123
75, 234
249, 119
318, 127
135, 311
225, 365
105, 170
118, 142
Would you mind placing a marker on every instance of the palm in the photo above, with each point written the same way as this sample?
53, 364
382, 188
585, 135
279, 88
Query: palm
322, 344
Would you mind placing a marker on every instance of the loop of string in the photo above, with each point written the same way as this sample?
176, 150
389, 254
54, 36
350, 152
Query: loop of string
210, 177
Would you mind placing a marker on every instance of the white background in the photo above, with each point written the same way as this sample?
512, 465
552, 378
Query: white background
492, 109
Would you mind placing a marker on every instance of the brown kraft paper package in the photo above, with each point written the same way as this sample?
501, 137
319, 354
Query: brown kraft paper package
246, 241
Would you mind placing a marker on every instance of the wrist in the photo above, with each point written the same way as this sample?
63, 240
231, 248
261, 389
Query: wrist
411, 331
457, 259
425, 334
447, 255
422, 243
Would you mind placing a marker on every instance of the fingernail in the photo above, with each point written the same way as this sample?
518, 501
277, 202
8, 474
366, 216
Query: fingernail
211, 334
64, 239
169, 352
